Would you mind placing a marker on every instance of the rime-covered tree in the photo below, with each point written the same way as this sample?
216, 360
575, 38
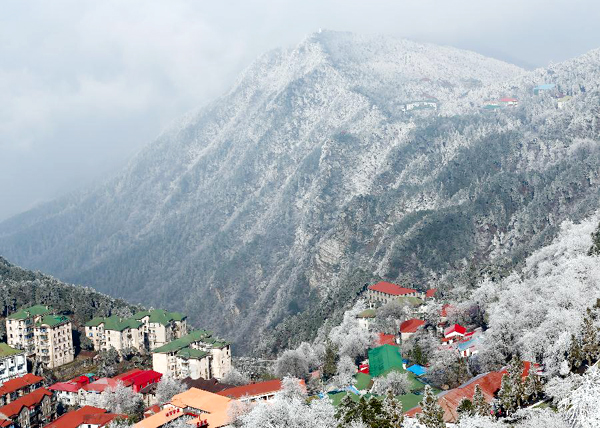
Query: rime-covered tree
167, 388
465, 407
329, 361
480, 406
122, 400
346, 369
291, 363
581, 407
236, 377
392, 410
590, 345
595, 248
506, 394
396, 382
432, 415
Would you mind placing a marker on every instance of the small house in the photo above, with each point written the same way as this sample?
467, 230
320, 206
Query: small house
563, 100
547, 87
410, 327
509, 102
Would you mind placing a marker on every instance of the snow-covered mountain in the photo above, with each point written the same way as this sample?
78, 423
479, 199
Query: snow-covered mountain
269, 208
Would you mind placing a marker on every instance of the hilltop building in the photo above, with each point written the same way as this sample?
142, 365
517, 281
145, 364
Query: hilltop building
197, 354
13, 363
146, 330
384, 292
42, 335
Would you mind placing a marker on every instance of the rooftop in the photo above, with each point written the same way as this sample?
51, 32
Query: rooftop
392, 289
384, 358
367, 313
253, 389
29, 312
411, 325
114, 323
19, 383
184, 343
85, 415
52, 320
159, 316
7, 351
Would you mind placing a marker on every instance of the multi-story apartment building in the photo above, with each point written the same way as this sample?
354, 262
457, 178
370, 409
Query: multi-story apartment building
145, 330
15, 388
198, 354
115, 332
161, 327
42, 335
33, 410
13, 363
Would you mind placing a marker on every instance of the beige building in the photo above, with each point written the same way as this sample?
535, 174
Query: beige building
115, 332
146, 330
385, 292
161, 327
195, 355
42, 334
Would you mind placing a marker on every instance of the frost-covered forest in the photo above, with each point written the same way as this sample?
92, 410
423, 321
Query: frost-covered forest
273, 205
546, 312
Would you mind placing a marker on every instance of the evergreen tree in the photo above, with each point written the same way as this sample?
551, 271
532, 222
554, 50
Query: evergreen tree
330, 362
432, 415
590, 347
465, 407
480, 406
392, 410
575, 357
515, 373
348, 411
595, 248
506, 394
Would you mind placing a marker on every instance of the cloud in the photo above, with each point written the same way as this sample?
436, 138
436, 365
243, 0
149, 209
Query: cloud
84, 84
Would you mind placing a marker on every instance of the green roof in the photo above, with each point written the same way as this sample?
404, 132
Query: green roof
191, 353
185, 341
384, 358
160, 316
114, 323
367, 313
30, 312
411, 300
7, 351
53, 320
363, 381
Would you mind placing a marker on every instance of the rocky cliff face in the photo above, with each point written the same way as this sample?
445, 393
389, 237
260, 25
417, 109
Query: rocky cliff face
306, 179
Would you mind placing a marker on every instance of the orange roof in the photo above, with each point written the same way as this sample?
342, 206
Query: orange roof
161, 418
389, 288
85, 415
19, 383
430, 293
253, 389
30, 400
200, 400
411, 326
387, 339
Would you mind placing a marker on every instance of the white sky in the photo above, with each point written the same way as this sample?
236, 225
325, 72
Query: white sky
84, 84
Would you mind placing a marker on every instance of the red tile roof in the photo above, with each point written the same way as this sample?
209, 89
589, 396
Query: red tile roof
411, 326
444, 311
387, 339
85, 415
101, 384
489, 383
430, 293
72, 385
389, 288
19, 383
253, 389
455, 328
139, 378
32, 399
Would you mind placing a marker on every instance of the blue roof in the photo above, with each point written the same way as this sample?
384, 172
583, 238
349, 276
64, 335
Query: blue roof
352, 389
466, 345
545, 86
417, 369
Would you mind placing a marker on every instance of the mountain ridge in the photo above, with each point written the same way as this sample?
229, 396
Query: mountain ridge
306, 179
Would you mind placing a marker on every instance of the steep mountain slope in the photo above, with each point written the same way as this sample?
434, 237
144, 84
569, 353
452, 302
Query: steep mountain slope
308, 179
21, 288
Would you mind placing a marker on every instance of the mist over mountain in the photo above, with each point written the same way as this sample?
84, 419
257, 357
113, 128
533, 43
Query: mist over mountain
266, 210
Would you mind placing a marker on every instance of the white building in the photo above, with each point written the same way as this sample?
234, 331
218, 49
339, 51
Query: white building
13, 363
